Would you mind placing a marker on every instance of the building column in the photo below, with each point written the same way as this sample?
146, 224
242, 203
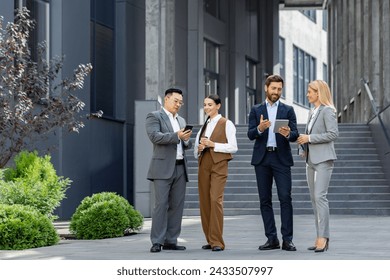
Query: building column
268, 41
195, 80
159, 47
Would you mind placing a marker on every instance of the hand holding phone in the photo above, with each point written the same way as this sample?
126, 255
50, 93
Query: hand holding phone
188, 127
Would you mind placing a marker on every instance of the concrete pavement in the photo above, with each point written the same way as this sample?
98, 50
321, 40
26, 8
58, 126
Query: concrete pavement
352, 238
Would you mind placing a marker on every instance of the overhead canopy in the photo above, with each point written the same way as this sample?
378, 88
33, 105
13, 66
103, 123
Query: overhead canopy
303, 4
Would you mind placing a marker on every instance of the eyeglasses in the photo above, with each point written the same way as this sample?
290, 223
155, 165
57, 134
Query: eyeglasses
177, 101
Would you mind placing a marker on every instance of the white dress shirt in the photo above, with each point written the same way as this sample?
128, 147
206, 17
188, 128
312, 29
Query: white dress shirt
311, 121
230, 147
176, 128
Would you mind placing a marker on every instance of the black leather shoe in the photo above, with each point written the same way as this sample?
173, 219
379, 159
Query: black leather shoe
206, 247
216, 249
155, 248
288, 246
169, 246
270, 245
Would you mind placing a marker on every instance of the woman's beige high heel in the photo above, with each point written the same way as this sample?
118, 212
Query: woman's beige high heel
323, 245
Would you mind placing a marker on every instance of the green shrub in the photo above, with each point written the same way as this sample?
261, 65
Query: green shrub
23, 227
33, 181
104, 215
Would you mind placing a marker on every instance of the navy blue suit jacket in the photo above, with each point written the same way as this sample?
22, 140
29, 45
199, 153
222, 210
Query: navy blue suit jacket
283, 143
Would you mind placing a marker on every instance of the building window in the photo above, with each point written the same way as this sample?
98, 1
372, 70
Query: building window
250, 84
311, 14
40, 12
103, 56
282, 60
325, 20
325, 72
212, 7
211, 67
304, 72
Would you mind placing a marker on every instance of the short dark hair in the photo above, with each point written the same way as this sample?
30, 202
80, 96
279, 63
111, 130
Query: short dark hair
274, 78
172, 90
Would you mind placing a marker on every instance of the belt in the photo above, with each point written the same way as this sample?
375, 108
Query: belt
179, 161
271, 149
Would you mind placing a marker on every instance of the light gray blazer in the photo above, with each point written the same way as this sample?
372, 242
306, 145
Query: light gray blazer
165, 140
323, 133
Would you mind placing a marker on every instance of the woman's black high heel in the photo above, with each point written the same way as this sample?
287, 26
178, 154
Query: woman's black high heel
323, 248
312, 248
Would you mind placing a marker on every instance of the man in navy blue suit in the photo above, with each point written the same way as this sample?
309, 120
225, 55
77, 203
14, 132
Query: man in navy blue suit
272, 160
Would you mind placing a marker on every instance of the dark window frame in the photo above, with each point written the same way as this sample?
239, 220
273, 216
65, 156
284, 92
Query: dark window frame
310, 14
103, 86
212, 7
325, 20
211, 67
250, 84
282, 60
325, 72
304, 71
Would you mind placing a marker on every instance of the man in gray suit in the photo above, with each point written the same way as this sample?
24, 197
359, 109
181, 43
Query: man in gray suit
168, 170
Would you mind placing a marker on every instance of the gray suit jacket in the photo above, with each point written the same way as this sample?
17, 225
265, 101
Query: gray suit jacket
322, 135
165, 140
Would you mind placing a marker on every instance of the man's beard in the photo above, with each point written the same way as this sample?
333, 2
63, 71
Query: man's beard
273, 97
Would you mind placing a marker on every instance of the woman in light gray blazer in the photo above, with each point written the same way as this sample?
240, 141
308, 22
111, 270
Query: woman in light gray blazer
318, 143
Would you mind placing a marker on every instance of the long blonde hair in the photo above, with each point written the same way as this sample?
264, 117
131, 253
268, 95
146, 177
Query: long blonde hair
324, 94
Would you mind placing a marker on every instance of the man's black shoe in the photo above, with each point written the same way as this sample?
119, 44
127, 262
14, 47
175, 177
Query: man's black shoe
170, 246
270, 245
155, 248
206, 247
288, 246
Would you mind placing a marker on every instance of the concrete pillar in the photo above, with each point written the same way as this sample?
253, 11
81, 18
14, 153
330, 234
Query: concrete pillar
269, 41
195, 66
366, 28
143, 198
159, 47
385, 36
366, 112
375, 80
358, 63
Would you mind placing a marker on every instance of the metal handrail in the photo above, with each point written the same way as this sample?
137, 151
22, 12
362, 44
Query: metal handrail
376, 111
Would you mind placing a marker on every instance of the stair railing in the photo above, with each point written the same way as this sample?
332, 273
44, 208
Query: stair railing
376, 111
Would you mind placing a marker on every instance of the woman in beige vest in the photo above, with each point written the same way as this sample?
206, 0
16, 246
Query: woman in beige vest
214, 145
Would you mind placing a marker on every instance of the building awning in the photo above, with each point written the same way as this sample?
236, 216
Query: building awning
303, 4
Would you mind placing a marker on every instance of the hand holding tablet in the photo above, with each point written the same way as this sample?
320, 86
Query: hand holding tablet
280, 123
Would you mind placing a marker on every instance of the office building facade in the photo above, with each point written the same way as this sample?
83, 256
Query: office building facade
138, 48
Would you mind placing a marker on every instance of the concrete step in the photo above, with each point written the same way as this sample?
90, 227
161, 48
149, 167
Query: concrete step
367, 190
369, 211
374, 198
333, 182
358, 184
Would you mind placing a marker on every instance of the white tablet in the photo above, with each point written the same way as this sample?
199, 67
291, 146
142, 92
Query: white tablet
280, 123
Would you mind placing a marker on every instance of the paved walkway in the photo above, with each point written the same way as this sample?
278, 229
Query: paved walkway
352, 238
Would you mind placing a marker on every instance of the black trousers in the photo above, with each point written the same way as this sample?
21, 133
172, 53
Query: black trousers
269, 170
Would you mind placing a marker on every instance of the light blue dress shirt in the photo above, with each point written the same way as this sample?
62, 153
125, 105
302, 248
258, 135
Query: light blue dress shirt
272, 110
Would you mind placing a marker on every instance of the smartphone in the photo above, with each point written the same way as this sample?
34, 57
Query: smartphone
188, 127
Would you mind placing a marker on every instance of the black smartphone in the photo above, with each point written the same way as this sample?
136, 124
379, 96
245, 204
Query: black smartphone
188, 127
